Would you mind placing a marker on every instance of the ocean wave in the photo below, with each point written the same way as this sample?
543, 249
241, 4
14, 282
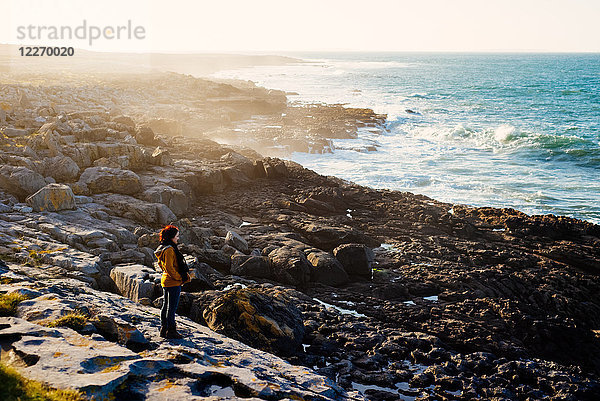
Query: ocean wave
507, 137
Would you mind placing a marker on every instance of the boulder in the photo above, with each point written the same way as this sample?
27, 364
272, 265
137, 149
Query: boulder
118, 162
107, 179
52, 198
264, 319
326, 269
207, 181
356, 259
255, 266
47, 142
149, 240
175, 199
166, 126
61, 168
289, 266
235, 240
215, 258
20, 181
136, 281
328, 237
315, 206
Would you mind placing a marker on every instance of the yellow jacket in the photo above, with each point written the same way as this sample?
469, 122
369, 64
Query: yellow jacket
167, 260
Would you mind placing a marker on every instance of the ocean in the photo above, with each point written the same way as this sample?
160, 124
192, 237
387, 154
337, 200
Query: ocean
502, 130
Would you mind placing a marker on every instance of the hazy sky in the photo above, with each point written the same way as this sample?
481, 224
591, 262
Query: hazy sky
269, 25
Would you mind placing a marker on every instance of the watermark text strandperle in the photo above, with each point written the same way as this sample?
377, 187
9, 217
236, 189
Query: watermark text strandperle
82, 32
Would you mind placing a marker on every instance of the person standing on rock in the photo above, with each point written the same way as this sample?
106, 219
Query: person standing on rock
175, 274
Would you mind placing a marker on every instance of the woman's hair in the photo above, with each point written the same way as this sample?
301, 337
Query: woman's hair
168, 233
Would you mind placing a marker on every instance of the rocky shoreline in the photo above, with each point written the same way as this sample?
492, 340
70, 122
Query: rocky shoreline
342, 291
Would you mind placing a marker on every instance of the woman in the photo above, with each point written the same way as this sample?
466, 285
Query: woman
175, 274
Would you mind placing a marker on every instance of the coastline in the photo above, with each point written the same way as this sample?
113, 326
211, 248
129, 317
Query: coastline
449, 301
473, 142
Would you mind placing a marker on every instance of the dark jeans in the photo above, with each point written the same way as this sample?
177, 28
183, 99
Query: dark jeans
169, 306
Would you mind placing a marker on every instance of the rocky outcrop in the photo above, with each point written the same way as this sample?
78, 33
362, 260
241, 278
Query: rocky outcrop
120, 356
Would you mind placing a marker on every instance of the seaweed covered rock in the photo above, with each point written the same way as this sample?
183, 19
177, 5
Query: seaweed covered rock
265, 320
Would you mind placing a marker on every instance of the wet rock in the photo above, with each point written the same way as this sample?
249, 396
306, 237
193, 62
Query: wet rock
52, 198
326, 269
265, 320
215, 258
289, 266
355, 258
106, 179
254, 266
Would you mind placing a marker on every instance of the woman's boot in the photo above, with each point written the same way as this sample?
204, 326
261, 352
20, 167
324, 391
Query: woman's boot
163, 331
173, 334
